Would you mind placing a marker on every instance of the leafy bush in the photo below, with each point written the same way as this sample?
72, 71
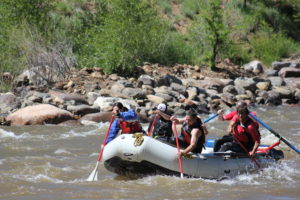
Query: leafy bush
131, 34
190, 8
269, 46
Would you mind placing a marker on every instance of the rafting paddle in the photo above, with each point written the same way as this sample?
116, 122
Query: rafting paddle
152, 125
178, 149
275, 133
210, 118
94, 175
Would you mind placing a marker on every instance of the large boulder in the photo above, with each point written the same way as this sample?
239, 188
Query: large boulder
39, 114
8, 102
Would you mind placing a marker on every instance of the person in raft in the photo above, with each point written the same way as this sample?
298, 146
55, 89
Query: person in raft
229, 117
162, 129
245, 136
193, 133
125, 120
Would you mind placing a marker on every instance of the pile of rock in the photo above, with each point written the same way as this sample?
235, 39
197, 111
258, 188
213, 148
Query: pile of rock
88, 94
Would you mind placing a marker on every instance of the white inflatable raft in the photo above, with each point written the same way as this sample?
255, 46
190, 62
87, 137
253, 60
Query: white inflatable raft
137, 156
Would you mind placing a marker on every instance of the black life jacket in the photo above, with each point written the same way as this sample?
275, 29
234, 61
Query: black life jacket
162, 128
186, 134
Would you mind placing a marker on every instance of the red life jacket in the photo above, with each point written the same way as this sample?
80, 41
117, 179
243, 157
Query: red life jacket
240, 132
130, 127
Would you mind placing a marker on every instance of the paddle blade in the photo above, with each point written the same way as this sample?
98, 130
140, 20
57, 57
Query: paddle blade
94, 175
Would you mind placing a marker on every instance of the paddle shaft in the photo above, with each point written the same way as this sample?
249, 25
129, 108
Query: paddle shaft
275, 133
210, 118
105, 138
152, 125
178, 149
94, 174
245, 149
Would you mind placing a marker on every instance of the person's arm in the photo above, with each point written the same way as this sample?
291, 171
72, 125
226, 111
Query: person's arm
231, 124
252, 129
177, 121
129, 115
196, 133
163, 115
204, 129
113, 132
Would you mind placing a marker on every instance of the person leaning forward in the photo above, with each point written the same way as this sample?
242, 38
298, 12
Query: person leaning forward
162, 129
192, 133
125, 120
245, 135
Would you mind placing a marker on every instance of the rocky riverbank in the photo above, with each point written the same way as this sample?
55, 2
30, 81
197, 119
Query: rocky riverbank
86, 96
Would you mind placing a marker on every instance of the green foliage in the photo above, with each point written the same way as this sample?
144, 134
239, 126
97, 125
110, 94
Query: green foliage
165, 6
190, 8
269, 46
131, 34
119, 35
210, 34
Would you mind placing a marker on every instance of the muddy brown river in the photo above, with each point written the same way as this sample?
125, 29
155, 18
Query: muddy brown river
53, 163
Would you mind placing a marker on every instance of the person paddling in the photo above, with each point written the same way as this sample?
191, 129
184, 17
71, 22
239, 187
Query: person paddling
161, 124
125, 120
192, 133
244, 136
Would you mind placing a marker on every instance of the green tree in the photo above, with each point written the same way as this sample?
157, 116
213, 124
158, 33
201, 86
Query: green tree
210, 33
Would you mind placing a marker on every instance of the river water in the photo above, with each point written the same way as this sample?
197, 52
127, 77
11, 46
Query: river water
53, 162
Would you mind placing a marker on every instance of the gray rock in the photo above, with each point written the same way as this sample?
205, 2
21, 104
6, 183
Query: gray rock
271, 72
82, 109
289, 72
8, 102
134, 93
276, 81
245, 83
178, 87
167, 80
254, 66
146, 80
273, 98
279, 65
230, 89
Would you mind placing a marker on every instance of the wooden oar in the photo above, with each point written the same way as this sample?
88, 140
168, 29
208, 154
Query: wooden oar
275, 133
94, 175
178, 149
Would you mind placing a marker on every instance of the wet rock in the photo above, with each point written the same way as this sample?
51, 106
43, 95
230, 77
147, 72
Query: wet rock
82, 109
39, 114
273, 98
96, 117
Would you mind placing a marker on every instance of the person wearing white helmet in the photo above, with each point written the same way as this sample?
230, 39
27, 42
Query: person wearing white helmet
160, 125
